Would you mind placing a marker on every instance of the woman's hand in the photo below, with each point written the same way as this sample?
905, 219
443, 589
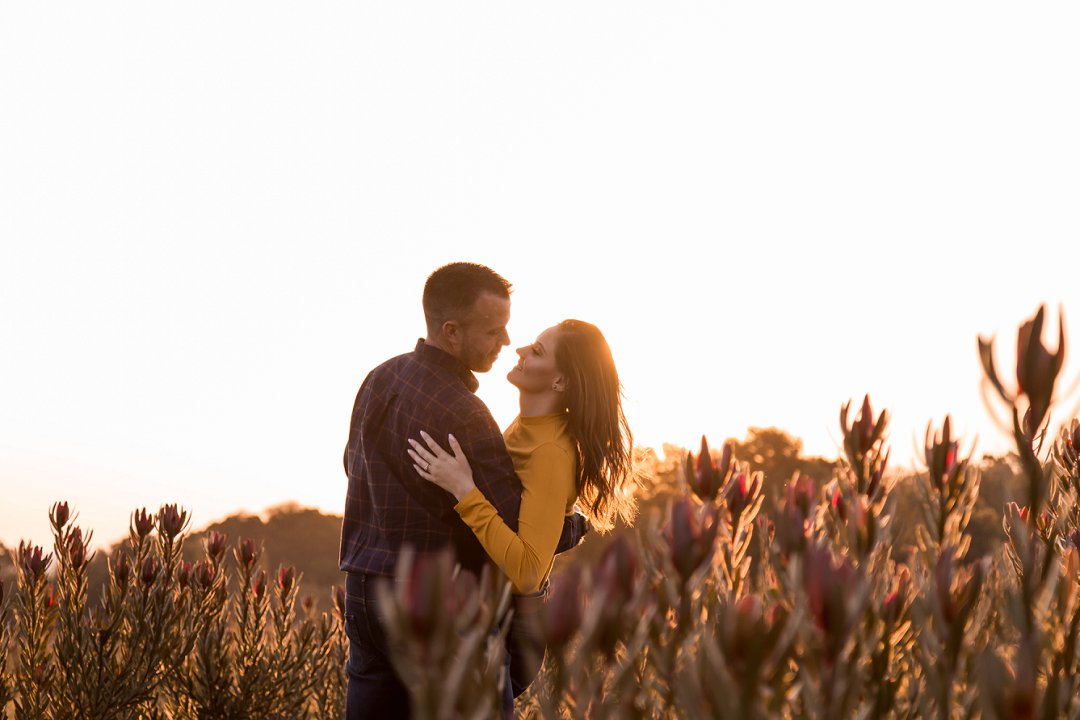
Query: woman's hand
450, 471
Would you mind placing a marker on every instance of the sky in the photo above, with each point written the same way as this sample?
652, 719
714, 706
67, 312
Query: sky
217, 217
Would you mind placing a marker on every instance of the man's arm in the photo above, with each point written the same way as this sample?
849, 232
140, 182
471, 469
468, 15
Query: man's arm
492, 469
575, 527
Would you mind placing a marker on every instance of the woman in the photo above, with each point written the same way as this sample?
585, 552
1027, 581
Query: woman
570, 443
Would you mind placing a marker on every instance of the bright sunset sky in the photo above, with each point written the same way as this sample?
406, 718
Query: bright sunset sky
216, 217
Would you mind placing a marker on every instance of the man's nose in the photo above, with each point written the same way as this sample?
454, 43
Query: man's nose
505, 339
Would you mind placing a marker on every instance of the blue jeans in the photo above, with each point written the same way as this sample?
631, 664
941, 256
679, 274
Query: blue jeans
375, 691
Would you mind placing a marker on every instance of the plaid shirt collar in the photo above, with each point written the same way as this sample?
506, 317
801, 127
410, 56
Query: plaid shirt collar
432, 354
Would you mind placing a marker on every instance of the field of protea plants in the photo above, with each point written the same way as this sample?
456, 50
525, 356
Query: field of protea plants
710, 608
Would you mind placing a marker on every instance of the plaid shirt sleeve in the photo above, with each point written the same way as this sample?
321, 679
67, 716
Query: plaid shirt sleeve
492, 469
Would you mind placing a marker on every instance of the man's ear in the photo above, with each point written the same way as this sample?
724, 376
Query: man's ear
452, 334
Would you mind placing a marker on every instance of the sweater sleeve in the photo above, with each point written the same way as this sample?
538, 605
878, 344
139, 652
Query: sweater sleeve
547, 481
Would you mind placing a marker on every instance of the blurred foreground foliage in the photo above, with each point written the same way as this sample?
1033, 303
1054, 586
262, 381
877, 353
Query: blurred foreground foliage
755, 583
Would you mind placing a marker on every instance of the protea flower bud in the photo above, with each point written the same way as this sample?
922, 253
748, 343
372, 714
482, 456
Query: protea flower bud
171, 521
205, 574
59, 515
828, 586
76, 549
248, 553
183, 574
215, 544
1074, 435
894, 601
424, 590
561, 615
149, 571
1074, 538
50, 596
691, 536
941, 452
259, 588
286, 577
142, 522
121, 569
742, 488
617, 573
308, 604
703, 476
33, 561
1037, 369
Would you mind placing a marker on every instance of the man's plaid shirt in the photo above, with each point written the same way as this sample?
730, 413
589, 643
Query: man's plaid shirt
388, 505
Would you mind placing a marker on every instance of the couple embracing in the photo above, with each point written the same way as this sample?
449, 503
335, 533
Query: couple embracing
428, 467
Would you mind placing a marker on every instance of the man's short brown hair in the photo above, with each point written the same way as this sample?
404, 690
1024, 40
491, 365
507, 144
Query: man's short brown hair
451, 291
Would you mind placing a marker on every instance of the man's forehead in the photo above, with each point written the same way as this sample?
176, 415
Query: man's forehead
490, 308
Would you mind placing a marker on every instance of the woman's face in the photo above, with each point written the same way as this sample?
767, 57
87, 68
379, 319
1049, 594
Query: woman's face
536, 371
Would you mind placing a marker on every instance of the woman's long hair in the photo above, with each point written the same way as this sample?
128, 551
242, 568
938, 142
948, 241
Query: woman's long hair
606, 474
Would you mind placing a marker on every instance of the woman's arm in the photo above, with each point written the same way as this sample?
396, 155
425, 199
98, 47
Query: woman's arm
547, 485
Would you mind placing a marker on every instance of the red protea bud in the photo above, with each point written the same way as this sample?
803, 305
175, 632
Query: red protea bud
142, 522
215, 544
149, 571
894, 601
121, 569
308, 604
33, 561
76, 549
183, 574
1074, 538
828, 585
286, 577
838, 504
171, 521
425, 590
248, 553
50, 596
59, 515
339, 600
1074, 436
205, 574
617, 572
690, 536
741, 489
703, 476
259, 588
561, 615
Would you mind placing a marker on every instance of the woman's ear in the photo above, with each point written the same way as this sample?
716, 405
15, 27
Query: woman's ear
559, 383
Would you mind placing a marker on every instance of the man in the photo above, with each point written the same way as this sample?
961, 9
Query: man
389, 506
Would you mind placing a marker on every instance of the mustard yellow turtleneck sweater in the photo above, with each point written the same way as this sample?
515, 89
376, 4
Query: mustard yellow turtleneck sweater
544, 458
